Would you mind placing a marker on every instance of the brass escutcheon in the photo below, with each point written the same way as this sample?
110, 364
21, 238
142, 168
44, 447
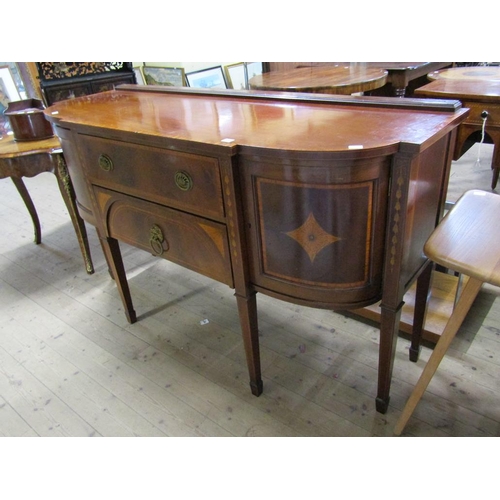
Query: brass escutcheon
156, 240
105, 162
183, 181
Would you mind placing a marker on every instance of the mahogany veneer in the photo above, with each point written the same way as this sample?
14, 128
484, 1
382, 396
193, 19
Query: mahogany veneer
317, 200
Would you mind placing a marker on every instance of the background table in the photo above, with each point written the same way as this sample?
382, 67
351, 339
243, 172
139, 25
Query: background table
405, 77
402, 78
327, 80
479, 90
30, 158
483, 73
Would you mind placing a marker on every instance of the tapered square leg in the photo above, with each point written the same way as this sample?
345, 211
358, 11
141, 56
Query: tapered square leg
247, 308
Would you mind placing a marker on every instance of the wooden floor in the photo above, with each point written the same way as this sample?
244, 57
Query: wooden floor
70, 364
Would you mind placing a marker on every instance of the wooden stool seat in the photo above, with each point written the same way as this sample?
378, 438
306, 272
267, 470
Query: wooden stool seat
467, 241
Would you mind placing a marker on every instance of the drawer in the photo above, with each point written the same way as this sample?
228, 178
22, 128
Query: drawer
477, 108
185, 181
193, 242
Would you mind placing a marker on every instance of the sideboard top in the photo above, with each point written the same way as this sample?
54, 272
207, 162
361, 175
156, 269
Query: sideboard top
285, 121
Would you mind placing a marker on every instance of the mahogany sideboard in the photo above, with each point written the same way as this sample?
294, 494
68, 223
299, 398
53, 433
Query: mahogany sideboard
324, 201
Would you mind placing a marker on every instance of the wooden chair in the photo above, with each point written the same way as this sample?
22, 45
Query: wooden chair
466, 241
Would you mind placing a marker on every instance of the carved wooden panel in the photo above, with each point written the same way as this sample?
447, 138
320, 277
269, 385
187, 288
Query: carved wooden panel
58, 70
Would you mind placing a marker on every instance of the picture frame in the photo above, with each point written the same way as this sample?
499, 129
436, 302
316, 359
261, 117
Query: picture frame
139, 77
253, 69
29, 87
8, 85
159, 75
8, 93
209, 78
236, 76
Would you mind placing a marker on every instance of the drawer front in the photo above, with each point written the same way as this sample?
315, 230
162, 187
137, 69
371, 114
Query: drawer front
185, 181
190, 241
477, 108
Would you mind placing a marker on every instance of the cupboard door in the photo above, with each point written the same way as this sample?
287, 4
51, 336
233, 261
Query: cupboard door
317, 229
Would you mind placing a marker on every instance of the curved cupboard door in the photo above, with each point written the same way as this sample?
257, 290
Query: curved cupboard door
316, 228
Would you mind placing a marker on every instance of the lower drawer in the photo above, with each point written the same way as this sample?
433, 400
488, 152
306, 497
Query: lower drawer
190, 241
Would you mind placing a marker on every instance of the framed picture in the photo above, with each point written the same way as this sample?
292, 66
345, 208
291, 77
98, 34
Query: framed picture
236, 76
210, 78
170, 77
28, 84
139, 77
8, 93
253, 69
8, 85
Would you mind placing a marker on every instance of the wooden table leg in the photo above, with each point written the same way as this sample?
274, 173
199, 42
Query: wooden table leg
247, 308
68, 195
18, 182
389, 329
421, 301
113, 255
399, 92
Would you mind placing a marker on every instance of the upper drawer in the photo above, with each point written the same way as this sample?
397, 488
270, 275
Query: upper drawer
185, 181
476, 108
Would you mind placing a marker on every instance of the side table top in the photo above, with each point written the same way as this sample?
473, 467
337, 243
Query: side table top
484, 73
325, 79
484, 90
10, 148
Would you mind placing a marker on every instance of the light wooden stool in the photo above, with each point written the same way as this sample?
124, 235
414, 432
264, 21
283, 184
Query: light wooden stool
468, 241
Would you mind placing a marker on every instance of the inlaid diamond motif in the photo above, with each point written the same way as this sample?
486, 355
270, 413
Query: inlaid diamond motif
312, 237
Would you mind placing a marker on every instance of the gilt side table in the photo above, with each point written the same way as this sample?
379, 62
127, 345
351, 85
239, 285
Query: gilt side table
20, 159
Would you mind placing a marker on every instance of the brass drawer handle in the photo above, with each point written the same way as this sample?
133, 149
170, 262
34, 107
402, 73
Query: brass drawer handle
105, 162
183, 181
157, 240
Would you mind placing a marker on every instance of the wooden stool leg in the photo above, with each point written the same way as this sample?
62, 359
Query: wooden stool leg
495, 165
469, 293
